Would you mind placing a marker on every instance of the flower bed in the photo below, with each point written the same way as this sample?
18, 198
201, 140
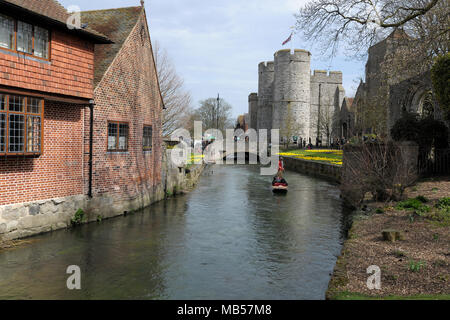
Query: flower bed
321, 155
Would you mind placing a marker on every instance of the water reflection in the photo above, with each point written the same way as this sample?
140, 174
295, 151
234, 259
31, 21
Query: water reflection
231, 238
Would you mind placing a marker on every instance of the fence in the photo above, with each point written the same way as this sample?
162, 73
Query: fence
435, 163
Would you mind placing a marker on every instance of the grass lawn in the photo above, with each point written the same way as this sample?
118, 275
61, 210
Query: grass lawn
358, 296
320, 155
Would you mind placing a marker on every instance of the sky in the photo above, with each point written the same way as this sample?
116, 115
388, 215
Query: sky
216, 45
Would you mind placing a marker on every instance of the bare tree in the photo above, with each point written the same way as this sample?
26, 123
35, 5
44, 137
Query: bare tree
177, 99
384, 169
214, 115
362, 23
327, 119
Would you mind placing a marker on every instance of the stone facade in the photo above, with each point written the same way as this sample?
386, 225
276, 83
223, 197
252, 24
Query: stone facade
287, 90
390, 95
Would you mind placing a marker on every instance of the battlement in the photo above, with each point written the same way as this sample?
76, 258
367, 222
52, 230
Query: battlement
324, 76
253, 97
266, 66
297, 54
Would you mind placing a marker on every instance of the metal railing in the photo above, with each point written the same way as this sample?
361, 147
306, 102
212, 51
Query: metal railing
436, 162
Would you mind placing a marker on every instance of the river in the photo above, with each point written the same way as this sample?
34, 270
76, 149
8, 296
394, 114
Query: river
230, 238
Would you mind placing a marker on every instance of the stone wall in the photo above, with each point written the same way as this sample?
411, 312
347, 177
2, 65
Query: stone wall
328, 171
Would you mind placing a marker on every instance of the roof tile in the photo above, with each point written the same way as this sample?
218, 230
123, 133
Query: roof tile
116, 24
49, 8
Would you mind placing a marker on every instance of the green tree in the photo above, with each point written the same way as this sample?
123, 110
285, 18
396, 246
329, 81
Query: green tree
440, 76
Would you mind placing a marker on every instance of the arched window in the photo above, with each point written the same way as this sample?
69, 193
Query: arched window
426, 106
422, 103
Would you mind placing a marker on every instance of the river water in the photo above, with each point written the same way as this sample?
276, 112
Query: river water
230, 238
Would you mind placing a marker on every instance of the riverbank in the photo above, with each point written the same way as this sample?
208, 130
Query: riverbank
323, 170
417, 266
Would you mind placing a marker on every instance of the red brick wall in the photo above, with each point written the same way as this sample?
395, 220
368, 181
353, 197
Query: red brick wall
129, 93
58, 171
70, 71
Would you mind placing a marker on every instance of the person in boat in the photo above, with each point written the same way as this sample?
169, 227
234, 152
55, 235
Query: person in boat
278, 179
280, 165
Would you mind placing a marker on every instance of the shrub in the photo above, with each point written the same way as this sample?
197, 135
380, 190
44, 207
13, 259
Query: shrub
416, 266
425, 132
411, 204
377, 168
440, 77
443, 203
422, 199
406, 128
432, 133
78, 218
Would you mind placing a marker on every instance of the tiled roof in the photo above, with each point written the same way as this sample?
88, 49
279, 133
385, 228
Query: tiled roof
51, 9
116, 24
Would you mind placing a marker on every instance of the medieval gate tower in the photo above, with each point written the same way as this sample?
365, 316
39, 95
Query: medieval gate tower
288, 92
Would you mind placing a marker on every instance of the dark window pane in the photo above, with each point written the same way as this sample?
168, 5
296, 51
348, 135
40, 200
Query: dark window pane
34, 105
2, 102
6, 32
2, 132
40, 42
123, 136
16, 103
147, 139
24, 37
16, 132
112, 136
34, 134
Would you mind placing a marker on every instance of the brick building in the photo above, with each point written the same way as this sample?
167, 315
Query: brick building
127, 118
52, 79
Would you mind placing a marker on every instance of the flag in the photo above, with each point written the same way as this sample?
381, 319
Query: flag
288, 39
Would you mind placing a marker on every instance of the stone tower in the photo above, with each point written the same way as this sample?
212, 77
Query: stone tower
253, 110
292, 90
327, 96
265, 96
289, 94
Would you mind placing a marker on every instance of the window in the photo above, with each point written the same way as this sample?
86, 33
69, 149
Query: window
24, 37
40, 43
6, 32
117, 136
147, 138
21, 121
